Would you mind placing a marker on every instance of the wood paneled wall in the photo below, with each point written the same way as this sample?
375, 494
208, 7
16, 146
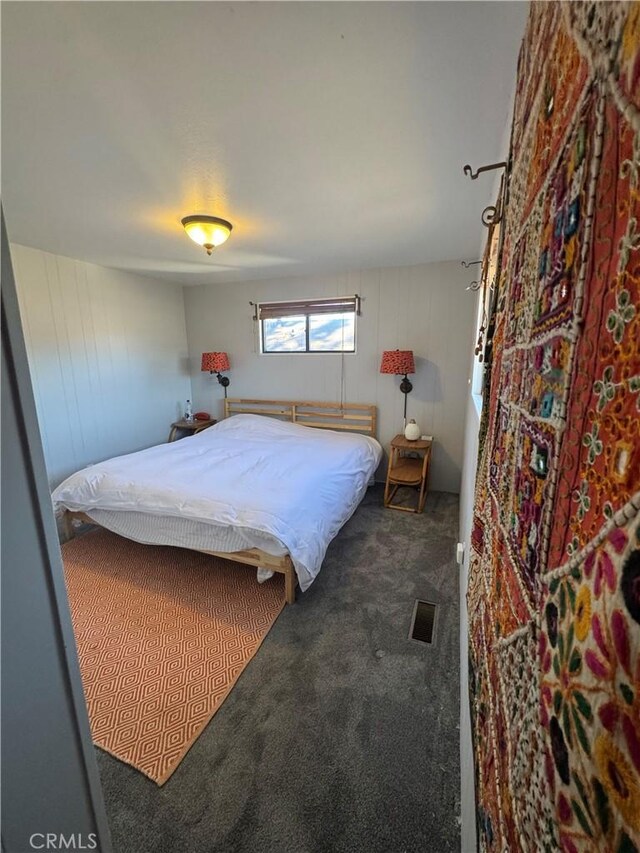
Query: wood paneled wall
107, 354
424, 308
111, 367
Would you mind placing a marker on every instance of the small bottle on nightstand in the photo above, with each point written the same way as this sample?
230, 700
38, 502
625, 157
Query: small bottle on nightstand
188, 412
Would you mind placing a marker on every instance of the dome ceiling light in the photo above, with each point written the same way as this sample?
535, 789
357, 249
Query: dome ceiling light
207, 231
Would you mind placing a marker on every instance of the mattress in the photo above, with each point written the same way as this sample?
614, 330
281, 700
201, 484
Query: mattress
185, 532
248, 481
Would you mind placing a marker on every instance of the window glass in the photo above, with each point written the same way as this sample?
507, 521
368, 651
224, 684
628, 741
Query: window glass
332, 332
284, 334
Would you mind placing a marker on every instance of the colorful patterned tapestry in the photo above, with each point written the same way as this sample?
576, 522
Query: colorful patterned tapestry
554, 594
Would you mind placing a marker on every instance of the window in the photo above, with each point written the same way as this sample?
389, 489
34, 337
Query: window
311, 325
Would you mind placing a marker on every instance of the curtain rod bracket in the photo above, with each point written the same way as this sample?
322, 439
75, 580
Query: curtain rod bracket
473, 175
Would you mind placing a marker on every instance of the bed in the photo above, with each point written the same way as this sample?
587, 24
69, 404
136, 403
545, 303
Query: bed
269, 486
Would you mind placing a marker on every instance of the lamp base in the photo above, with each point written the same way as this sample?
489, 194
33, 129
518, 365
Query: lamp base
224, 381
406, 387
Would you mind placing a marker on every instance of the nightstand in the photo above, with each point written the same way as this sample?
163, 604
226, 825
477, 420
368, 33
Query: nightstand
180, 429
407, 470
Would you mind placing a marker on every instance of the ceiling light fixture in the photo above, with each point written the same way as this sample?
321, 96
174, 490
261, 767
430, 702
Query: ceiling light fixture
207, 231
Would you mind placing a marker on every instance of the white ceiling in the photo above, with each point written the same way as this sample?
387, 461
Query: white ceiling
332, 135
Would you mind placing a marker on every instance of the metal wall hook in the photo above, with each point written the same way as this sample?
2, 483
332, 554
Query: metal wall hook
473, 175
467, 264
491, 216
475, 285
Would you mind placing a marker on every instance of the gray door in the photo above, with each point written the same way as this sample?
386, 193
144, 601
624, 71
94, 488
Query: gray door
50, 786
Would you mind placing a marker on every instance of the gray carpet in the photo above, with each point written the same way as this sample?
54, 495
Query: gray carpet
341, 735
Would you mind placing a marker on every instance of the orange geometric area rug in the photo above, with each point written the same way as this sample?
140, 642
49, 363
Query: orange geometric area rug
163, 634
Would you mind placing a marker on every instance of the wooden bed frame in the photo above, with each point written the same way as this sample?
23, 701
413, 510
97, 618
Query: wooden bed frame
356, 417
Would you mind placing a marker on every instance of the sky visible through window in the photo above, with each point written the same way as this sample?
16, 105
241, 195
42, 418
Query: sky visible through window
327, 333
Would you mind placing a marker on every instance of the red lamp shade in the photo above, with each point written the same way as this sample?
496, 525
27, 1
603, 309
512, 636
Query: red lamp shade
398, 361
215, 362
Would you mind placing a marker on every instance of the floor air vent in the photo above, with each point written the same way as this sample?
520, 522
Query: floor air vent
423, 622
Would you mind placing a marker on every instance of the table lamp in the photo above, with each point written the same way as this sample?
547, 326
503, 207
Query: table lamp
399, 362
216, 362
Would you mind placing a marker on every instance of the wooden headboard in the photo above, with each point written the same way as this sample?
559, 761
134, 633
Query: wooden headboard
356, 417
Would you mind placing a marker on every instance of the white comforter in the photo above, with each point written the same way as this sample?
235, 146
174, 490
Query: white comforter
296, 483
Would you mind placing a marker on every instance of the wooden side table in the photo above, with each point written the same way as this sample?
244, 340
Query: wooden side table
190, 427
405, 470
